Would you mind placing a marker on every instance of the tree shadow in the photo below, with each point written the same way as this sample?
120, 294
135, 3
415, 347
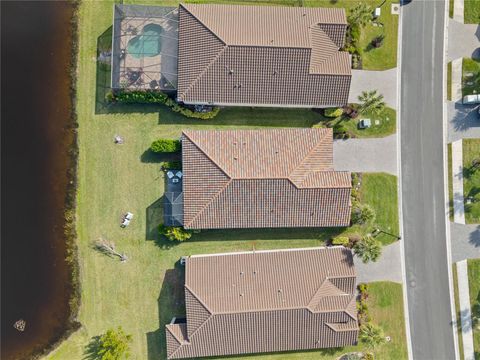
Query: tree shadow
474, 237
465, 117
91, 350
171, 302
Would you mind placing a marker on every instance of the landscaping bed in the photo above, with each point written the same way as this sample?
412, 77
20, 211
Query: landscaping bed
471, 180
470, 76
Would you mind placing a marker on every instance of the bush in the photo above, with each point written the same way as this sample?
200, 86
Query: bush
174, 233
171, 165
341, 240
368, 249
166, 146
339, 130
156, 97
333, 112
362, 213
368, 356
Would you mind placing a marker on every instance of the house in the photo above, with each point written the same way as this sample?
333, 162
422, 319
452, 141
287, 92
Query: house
235, 55
266, 301
263, 179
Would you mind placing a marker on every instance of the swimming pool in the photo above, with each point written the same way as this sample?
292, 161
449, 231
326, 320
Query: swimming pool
146, 44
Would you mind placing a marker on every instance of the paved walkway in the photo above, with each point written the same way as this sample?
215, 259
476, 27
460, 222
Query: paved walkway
366, 155
463, 121
465, 240
457, 172
463, 40
383, 81
387, 268
457, 79
465, 311
458, 11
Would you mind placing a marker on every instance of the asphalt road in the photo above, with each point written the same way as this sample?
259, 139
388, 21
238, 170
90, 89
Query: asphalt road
422, 179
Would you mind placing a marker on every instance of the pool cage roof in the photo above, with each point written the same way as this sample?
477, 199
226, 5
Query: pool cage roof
144, 47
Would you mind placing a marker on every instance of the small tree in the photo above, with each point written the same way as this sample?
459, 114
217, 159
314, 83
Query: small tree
174, 233
361, 14
166, 146
371, 335
114, 345
368, 249
362, 213
371, 102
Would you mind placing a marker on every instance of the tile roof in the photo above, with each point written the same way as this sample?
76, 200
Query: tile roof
266, 301
263, 178
262, 55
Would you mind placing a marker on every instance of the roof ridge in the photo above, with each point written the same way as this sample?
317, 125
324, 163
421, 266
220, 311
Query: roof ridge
173, 334
328, 38
325, 135
314, 296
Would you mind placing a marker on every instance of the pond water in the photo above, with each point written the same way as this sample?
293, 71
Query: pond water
35, 137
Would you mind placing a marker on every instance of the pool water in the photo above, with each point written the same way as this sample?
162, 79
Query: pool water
146, 44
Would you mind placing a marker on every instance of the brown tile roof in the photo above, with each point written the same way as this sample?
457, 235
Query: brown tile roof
266, 301
263, 178
262, 55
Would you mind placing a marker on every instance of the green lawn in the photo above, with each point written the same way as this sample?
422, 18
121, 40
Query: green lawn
471, 181
457, 310
472, 12
449, 81
450, 8
143, 294
387, 124
450, 181
474, 284
470, 76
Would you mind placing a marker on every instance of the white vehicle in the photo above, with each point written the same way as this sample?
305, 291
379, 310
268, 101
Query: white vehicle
471, 99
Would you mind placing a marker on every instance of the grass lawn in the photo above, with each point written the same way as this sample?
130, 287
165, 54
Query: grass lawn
387, 124
450, 8
457, 310
450, 181
470, 76
471, 11
474, 284
144, 293
449, 81
471, 181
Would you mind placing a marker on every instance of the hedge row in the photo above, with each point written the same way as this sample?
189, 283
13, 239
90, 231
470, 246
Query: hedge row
155, 97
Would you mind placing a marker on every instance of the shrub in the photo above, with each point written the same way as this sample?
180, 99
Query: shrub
368, 249
333, 112
371, 335
171, 165
166, 146
113, 345
340, 240
368, 356
174, 233
156, 97
362, 213
363, 289
339, 130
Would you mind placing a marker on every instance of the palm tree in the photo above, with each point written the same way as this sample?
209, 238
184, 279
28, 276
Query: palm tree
360, 15
371, 335
368, 249
371, 102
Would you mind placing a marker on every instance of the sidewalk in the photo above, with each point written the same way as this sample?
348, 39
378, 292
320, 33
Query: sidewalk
457, 175
458, 12
465, 311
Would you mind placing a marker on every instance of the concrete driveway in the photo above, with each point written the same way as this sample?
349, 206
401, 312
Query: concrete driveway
463, 40
387, 268
366, 155
463, 121
383, 81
